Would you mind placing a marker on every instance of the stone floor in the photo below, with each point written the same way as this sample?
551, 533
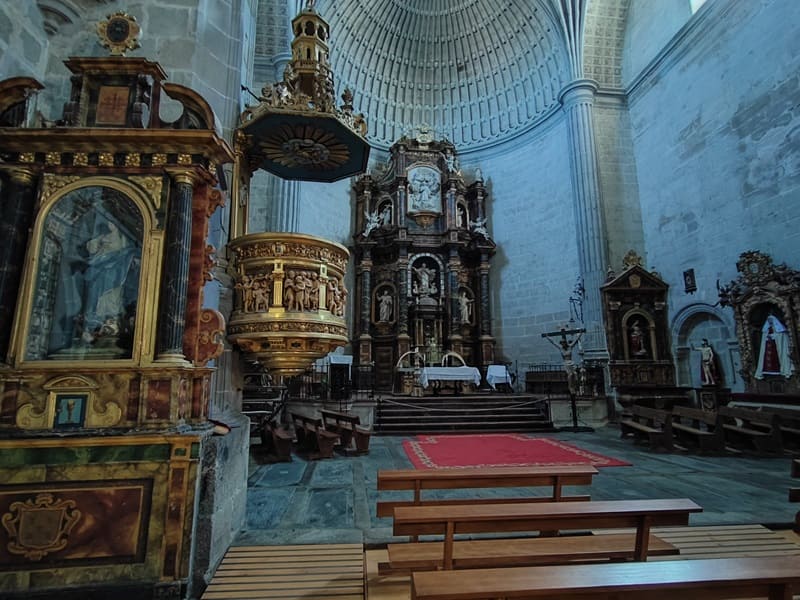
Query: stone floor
333, 501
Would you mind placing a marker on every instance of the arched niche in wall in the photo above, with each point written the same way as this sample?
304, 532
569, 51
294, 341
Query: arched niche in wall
690, 327
88, 285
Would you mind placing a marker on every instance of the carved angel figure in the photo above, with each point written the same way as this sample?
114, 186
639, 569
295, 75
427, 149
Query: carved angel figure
479, 226
372, 221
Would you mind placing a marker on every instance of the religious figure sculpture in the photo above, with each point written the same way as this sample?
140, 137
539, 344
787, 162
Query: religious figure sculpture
461, 221
708, 371
109, 262
425, 284
565, 347
637, 342
479, 226
386, 215
465, 307
423, 189
773, 356
386, 302
372, 221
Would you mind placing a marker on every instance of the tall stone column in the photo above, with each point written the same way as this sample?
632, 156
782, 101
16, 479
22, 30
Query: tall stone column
175, 281
282, 205
577, 98
18, 197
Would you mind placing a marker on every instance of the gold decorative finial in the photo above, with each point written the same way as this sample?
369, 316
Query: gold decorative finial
119, 33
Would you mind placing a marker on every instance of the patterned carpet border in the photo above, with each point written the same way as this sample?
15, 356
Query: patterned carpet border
426, 452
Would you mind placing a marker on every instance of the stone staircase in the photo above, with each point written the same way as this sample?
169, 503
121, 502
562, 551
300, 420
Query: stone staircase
467, 413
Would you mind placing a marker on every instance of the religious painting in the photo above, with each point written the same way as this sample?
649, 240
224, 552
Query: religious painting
87, 279
112, 105
424, 190
70, 410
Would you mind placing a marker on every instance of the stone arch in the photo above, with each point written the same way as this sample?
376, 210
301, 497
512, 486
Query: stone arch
689, 326
602, 48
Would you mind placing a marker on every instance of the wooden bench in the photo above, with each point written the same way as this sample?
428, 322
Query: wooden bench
312, 435
789, 423
794, 493
698, 428
554, 477
649, 423
770, 577
348, 427
452, 520
756, 429
277, 440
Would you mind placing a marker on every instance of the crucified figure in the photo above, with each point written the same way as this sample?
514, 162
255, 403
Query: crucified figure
565, 347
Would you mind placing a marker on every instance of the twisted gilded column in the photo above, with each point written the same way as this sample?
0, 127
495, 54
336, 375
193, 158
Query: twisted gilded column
577, 98
175, 281
18, 197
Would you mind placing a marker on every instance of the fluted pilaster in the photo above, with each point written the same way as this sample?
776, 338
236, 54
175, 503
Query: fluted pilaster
282, 205
486, 314
577, 99
175, 282
17, 196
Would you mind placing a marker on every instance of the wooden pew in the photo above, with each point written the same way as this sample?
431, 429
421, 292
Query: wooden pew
348, 427
452, 520
770, 577
312, 435
698, 428
277, 440
794, 493
555, 477
759, 430
649, 423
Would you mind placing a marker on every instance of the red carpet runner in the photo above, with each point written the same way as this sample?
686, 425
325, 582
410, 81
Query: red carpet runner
498, 450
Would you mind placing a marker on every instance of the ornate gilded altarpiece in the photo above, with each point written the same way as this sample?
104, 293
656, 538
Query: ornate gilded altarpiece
422, 253
104, 385
765, 299
637, 331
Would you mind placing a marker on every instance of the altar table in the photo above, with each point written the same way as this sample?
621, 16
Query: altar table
496, 374
428, 375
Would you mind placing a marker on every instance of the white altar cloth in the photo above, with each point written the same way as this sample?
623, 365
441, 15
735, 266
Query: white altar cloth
430, 374
497, 374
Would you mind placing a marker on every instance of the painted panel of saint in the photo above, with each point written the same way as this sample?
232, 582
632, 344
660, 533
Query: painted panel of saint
87, 281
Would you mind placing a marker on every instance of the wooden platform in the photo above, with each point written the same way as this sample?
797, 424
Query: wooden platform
324, 572
693, 542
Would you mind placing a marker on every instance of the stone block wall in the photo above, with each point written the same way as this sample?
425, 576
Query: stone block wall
532, 221
23, 42
715, 132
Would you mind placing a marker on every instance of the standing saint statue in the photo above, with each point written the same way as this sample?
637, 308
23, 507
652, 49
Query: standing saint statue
385, 309
465, 307
708, 371
773, 356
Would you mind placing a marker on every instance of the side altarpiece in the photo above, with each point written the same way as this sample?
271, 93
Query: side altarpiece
765, 299
422, 253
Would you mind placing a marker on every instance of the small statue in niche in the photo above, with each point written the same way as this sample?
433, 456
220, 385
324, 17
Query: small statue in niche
461, 217
773, 355
465, 307
385, 303
386, 215
708, 369
424, 285
637, 342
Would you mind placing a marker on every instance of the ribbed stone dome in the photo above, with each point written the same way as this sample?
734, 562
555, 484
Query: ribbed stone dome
478, 71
